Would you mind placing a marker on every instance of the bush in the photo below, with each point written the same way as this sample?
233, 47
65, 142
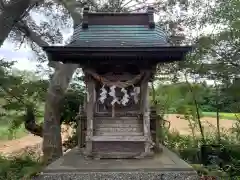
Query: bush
16, 168
188, 148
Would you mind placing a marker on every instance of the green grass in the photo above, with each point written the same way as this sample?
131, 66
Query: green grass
7, 134
228, 116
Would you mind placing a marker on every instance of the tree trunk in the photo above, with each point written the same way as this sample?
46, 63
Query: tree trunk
52, 141
11, 14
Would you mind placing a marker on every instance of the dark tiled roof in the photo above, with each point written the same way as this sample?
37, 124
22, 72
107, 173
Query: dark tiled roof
118, 36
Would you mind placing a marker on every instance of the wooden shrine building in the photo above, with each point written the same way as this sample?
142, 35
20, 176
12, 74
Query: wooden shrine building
118, 53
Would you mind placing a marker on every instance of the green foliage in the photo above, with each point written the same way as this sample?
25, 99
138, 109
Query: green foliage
177, 98
16, 168
189, 150
18, 89
226, 116
72, 100
7, 133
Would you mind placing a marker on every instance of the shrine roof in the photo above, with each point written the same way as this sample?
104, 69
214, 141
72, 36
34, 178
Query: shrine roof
118, 36
115, 29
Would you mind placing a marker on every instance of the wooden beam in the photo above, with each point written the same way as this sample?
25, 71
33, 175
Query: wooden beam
81, 118
151, 22
79, 130
85, 18
145, 109
89, 111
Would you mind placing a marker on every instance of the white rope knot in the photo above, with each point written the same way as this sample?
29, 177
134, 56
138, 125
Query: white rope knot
103, 94
135, 93
125, 98
113, 94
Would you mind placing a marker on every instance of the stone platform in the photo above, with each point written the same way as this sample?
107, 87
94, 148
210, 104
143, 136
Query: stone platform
165, 166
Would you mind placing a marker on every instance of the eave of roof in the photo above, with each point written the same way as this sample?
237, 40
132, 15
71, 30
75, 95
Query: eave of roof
80, 55
73, 49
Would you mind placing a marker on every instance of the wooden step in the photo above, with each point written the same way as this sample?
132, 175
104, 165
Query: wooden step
115, 125
116, 118
100, 133
118, 138
109, 114
117, 121
116, 155
116, 129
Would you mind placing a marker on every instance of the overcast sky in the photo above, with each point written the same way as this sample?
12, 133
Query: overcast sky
23, 55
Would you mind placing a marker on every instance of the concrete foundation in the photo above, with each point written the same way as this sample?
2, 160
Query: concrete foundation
164, 166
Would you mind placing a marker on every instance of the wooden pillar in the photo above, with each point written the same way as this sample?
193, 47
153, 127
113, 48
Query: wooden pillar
145, 110
90, 104
79, 132
80, 127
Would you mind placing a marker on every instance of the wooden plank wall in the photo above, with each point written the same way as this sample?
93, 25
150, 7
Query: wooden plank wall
118, 126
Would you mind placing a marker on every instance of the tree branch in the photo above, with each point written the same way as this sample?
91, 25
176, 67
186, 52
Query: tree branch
30, 122
31, 34
11, 14
73, 6
2, 5
126, 4
197, 109
223, 55
35, 37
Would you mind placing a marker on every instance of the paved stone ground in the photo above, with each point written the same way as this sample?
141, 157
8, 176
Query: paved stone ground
164, 166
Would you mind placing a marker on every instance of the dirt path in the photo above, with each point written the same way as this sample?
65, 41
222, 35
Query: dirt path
209, 124
181, 125
7, 147
19, 145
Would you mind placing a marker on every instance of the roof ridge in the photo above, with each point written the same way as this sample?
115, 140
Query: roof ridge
118, 18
